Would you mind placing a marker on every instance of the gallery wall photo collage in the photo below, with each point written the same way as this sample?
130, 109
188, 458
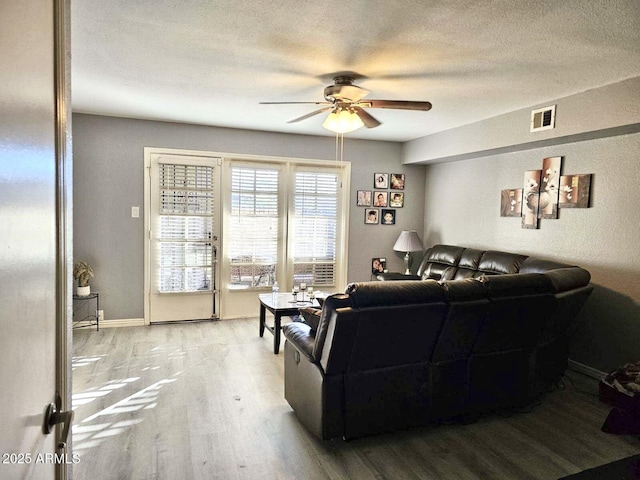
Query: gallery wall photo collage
381, 202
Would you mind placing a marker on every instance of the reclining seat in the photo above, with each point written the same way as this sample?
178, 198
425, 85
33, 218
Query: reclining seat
571, 288
386, 378
467, 267
365, 370
500, 373
449, 367
434, 262
437, 259
315, 396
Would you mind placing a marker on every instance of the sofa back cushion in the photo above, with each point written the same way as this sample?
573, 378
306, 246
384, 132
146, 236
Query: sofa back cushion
499, 367
539, 265
329, 307
495, 262
437, 259
468, 306
520, 309
449, 262
388, 324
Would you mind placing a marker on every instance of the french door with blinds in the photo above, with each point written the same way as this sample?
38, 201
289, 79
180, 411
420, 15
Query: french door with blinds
183, 237
286, 222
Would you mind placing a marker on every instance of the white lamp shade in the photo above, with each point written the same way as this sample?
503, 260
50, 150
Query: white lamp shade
408, 241
341, 120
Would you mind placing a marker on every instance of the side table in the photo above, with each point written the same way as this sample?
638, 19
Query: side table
81, 306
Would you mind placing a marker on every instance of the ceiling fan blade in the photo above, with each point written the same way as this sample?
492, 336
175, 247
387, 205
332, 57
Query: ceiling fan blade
296, 103
368, 120
315, 112
398, 104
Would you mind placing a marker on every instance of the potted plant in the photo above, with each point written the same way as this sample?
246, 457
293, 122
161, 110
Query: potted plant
82, 272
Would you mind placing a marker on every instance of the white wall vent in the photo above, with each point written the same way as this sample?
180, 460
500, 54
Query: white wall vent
543, 118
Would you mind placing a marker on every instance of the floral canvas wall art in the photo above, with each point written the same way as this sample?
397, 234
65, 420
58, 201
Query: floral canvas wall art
574, 191
511, 202
530, 201
549, 185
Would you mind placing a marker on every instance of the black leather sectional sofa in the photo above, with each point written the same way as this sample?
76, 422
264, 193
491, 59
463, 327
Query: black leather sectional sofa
480, 330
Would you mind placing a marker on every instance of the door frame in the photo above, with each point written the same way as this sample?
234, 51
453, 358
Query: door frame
149, 152
64, 227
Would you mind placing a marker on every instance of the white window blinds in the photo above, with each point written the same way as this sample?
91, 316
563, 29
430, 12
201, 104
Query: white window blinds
254, 226
315, 221
186, 226
284, 222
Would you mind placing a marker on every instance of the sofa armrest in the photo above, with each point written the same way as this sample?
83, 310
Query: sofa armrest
311, 317
386, 276
564, 279
301, 337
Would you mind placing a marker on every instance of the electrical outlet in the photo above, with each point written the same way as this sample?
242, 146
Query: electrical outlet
100, 315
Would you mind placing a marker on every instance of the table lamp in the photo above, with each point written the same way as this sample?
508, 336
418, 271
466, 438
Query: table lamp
408, 242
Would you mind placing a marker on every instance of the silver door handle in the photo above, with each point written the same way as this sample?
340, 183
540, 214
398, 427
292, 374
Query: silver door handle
52, 416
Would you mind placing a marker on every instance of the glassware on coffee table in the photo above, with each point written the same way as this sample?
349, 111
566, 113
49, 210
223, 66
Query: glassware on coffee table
300, 289
294, 292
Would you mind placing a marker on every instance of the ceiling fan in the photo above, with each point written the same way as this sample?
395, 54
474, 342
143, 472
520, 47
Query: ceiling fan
345, 100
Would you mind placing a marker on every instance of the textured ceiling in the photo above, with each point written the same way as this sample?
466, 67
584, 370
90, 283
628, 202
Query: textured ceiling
211, 62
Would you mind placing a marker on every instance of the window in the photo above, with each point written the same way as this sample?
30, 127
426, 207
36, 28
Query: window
315, 213
254, 226
286, 220
186, 223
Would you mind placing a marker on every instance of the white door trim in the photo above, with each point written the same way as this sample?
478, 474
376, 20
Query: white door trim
149, 153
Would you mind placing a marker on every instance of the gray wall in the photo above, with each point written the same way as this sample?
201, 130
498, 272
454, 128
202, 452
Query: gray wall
605, 111
462, 207
108, 181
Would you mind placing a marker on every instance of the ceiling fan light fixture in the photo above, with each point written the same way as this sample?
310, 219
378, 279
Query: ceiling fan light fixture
342, 120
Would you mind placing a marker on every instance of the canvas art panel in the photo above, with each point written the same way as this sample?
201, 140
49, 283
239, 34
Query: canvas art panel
549, 187
544, 192
511, 202
575, 191
530, 198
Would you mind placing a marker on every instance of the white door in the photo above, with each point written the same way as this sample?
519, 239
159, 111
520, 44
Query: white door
35, 248
183, 237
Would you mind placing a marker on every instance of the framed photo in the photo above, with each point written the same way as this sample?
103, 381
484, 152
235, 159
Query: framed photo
388, 217
397, 181
371, 216
380, 199
396, 199
378, 265
363, 198
381, 180
511, 202
574, 191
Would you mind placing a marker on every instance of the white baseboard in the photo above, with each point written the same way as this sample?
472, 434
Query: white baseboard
122, 322
586, 370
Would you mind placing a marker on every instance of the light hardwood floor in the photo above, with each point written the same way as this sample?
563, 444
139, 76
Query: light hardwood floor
206, 401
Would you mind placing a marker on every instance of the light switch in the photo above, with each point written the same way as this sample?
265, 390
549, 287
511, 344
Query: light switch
135, 212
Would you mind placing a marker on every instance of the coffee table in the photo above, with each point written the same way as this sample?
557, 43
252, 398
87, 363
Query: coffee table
280, 305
